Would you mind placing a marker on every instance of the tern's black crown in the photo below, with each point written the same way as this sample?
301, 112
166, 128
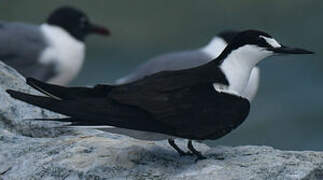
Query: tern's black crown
248, 37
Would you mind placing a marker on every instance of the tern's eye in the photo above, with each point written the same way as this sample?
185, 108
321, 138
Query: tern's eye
262, 42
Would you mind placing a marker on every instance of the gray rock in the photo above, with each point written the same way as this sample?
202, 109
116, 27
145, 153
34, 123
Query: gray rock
17, 116
40, 150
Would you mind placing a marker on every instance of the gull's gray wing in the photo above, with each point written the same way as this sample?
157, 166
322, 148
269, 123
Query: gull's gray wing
167, 62
20, 47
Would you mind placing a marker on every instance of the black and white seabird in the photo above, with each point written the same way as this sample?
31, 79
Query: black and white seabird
53, 51
178, 61
199, 103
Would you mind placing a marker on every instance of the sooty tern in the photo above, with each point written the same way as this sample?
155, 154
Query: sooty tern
199, 103
178, 61
53, 51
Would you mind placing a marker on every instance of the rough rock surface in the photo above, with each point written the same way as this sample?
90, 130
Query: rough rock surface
41, 150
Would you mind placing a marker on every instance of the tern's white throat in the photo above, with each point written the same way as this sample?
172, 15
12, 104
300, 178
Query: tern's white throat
237, 66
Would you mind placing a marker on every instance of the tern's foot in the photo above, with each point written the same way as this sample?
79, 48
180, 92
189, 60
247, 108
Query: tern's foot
179, 150
195, 152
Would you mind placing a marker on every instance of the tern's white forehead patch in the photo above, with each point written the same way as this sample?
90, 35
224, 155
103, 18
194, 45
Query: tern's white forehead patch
271, 41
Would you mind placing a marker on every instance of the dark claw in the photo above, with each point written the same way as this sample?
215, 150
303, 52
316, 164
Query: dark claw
200, 158
194, 151
186, 154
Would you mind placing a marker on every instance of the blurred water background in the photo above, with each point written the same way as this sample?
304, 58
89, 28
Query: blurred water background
287, 112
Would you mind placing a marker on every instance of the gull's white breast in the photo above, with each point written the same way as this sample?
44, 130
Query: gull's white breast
66, 52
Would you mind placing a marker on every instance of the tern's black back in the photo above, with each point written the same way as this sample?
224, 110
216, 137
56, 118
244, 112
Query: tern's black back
195, 111
178, 103
160, 85
186, 101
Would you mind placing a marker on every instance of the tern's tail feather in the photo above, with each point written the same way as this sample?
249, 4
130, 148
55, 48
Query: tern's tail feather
60, 92
67, 107
93, 111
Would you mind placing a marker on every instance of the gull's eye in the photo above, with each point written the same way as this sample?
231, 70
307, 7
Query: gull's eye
83, 22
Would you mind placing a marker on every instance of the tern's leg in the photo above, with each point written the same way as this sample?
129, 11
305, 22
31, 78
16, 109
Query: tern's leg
194, 151
180, 152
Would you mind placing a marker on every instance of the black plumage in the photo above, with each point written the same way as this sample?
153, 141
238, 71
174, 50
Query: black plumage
158, 103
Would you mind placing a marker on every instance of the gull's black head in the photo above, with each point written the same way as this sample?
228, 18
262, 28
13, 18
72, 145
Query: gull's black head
75, 22
264, 42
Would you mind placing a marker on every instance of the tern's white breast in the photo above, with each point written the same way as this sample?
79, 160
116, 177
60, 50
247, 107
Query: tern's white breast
238, 65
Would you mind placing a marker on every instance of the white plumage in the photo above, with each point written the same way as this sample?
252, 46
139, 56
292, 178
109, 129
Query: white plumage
66, 52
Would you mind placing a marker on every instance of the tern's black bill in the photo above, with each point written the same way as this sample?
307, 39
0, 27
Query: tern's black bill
288, 50
93, 28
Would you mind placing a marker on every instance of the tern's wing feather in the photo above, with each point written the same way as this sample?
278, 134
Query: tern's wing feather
153, 92
60, 92
186, 101
95, 112
197, 112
